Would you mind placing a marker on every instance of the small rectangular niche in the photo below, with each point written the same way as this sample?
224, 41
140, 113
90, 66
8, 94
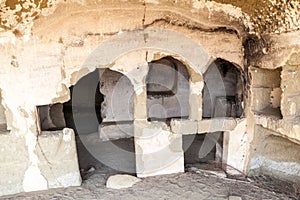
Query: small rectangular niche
266, 91
51, 117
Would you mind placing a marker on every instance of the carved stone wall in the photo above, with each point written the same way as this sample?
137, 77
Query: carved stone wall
48, 46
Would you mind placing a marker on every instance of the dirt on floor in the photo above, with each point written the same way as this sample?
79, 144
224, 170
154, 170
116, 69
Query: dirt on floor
195, 183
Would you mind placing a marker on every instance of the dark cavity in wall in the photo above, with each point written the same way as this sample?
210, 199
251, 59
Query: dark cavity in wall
193, 146
223, 90
167, 90
93, 112
51, 117
222, 97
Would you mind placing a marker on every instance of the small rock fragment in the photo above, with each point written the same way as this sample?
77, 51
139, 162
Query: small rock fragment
120, 181
234, 198
91, 169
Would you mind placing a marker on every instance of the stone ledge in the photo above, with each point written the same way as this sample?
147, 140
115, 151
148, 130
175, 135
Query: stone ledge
284, 128
115, 131
187, 127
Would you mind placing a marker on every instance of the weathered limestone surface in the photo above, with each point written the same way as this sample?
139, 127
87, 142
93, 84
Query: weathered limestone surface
19, 175
270, 15
261, 98
235, 149
275, 155
281, 127
184, 127
273, 50
290, 86
264, 81
13, 163
275, 100
2, 113
187, 127
265, 77
158, 150
51, 157
264, 84
116, 131
59, 47
216, 124
114, 85
121, 181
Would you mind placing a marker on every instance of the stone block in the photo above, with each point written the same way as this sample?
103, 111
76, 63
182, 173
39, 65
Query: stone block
184, 127
58, 163
140, 105
216, 124
168, 106
235, 149
195, 106
187, 127
172, 103
14, 161
287, 128
115, 131
158, 151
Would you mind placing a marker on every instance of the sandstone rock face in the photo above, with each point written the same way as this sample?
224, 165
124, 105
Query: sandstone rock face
47, 47
53, 149
61, 150
121, 181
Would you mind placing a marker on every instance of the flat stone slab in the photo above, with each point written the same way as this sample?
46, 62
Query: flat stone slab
187, 127
121, 181
234, 198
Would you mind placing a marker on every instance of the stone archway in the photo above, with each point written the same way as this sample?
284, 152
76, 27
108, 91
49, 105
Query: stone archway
129, 53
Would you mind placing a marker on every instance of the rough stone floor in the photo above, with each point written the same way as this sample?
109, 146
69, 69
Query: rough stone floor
194, 184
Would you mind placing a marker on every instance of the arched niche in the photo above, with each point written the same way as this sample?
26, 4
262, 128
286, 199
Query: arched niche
168, 90
223, 92
130, 53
